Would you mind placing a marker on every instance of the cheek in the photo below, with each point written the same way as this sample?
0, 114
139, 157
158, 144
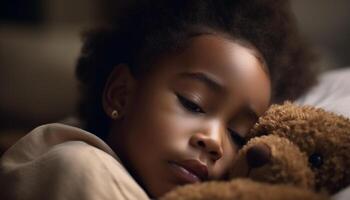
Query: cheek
158, 124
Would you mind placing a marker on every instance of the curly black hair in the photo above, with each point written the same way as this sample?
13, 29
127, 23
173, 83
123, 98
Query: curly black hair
144, 30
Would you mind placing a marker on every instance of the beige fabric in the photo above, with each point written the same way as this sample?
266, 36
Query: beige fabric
61, 162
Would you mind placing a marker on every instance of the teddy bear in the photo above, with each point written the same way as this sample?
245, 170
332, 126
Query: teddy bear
293, 152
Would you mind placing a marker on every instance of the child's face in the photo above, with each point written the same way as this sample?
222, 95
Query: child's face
184, 119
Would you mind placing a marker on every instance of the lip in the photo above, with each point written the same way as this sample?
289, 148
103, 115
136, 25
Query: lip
190, 171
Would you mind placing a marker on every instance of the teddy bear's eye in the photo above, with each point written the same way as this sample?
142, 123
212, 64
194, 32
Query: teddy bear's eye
316, 160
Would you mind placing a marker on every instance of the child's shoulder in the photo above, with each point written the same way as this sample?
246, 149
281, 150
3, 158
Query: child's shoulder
68, 162
49, 137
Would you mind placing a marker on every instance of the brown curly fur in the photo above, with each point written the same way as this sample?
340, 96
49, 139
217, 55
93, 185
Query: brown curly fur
240, 189
313, 130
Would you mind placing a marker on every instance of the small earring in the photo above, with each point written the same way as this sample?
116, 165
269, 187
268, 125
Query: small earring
114, 114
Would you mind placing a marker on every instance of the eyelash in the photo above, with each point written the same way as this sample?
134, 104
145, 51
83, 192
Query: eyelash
194, 108
190, 105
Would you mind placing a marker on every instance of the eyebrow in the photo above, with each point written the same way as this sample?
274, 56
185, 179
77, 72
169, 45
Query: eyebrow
204, 78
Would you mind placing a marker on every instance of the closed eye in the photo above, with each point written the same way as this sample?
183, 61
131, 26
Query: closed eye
189, 105
237, 138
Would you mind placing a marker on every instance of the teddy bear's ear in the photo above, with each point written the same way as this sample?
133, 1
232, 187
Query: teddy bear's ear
269, 122
273, 159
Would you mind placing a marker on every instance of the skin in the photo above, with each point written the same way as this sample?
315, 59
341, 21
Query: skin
193, 105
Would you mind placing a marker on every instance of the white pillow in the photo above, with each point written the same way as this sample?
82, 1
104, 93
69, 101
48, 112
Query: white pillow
332, 93
342, 195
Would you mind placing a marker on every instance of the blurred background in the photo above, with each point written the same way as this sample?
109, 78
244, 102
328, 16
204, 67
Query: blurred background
40, 42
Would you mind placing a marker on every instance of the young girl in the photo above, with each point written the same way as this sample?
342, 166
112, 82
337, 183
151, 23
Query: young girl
171, 87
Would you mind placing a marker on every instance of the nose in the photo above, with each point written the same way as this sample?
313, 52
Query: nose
210, 144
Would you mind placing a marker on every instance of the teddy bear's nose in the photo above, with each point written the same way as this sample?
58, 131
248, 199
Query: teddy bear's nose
258, 155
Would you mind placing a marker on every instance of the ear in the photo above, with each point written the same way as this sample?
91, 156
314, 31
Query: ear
118, 90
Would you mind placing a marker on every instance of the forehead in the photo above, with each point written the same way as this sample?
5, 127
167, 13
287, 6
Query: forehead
221, 55
234, 67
